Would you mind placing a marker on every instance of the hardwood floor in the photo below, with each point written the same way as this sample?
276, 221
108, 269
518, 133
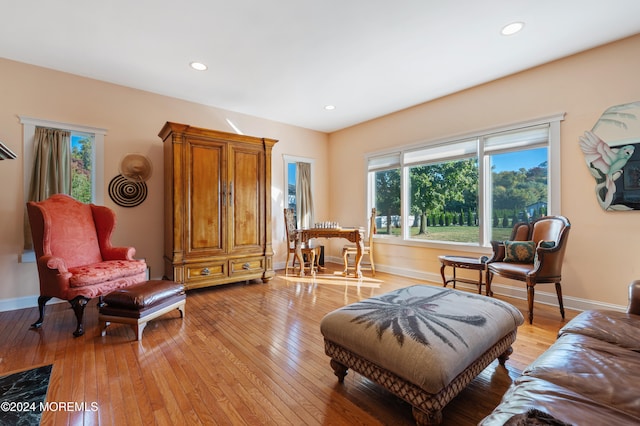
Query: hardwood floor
245, 354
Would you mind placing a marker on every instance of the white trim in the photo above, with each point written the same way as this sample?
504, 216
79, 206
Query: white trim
468, 135
24, 303
542, 297
554, 176
60, 125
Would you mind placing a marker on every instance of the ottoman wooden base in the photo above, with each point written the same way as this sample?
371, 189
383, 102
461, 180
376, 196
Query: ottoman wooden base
423, 344
140, 303
427, 407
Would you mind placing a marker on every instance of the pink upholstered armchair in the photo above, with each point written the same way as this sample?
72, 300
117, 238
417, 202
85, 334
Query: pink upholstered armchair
76, 261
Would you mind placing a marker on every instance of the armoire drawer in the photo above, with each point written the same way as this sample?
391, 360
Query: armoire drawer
246, 266
202, 271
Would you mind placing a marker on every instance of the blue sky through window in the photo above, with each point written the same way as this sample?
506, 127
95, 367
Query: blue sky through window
517, 160
75, 139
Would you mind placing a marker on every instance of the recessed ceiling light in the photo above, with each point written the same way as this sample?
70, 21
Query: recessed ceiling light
512, 28
329, 107
198, 66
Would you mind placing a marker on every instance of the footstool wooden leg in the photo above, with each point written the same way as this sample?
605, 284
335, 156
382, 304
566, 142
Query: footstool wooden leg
426, 419
103, 327
505, 356
138, 329
339, 370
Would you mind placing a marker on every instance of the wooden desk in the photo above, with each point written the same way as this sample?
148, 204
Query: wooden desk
354, 235
464, 263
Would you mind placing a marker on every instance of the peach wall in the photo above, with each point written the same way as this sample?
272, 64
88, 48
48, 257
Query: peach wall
602, 256
133, 119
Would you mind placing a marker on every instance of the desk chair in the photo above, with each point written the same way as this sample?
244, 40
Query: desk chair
352, 249
312, 254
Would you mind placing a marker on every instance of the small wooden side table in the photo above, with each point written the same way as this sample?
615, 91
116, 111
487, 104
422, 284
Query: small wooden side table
464, 262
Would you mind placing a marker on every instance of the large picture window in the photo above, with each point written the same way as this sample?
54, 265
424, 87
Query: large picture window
468, 190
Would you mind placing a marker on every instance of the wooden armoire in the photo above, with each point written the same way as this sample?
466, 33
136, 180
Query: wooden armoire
217, 206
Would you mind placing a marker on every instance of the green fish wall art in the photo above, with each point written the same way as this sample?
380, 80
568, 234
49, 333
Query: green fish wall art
612, 152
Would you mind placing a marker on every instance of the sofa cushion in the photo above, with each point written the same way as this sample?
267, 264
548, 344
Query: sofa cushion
605, 373
618, 328
105, 271
558, 401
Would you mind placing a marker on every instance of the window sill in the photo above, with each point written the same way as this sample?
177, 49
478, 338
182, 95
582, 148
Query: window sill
440, 245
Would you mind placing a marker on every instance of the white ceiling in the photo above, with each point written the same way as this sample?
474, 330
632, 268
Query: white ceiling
284, 60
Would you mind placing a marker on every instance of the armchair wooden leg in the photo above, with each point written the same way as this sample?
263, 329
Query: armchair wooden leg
559, 293
530, 294
42, 300
78, 305
345, 258
286, 265
488, 283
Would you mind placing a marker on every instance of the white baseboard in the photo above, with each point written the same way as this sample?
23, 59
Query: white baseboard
543, 297
32, 301
23, 303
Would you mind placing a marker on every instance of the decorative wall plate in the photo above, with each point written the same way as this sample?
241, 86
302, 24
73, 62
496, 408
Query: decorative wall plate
126, 192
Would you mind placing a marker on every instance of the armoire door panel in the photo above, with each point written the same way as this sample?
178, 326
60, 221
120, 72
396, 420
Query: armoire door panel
206, 211
248, 211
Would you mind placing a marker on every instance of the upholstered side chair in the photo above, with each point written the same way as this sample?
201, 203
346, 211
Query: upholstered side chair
533, 254
75, 258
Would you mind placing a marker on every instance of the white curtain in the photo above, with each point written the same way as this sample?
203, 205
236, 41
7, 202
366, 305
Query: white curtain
304, 199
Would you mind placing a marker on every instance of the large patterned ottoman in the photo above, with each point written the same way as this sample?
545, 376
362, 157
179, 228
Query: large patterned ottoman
422, 343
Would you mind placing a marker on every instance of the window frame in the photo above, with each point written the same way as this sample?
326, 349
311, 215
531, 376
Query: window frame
288, 159
484, 190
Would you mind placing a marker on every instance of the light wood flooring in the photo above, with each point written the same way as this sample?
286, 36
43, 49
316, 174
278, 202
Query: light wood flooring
245, 354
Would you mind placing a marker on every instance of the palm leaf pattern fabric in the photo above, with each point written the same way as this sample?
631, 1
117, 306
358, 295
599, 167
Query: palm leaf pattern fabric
406, 316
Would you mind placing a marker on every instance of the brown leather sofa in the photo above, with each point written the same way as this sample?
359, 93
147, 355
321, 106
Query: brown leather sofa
590, 375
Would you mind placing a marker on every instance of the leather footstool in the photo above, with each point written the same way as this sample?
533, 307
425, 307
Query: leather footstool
140, 303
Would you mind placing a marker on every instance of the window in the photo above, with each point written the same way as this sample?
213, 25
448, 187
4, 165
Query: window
468, 190
384, 189
87, 144
291, 186
82, 179
292, 198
